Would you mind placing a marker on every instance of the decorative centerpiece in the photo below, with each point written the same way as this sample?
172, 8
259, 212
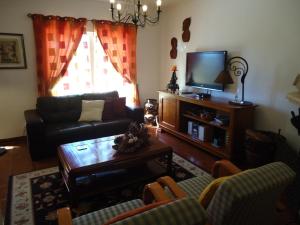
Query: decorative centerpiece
173, 86
133, 140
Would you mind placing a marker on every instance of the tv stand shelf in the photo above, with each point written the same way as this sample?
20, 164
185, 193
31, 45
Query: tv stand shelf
176, 112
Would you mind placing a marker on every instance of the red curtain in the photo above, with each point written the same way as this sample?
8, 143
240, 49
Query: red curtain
119, 43
56, 40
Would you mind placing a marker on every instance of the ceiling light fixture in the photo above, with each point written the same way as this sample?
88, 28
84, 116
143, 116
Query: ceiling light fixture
139, 16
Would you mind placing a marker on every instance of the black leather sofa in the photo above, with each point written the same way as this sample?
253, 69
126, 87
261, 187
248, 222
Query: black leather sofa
55, 122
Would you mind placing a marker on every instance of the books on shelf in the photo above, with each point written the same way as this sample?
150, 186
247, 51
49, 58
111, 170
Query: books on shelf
200, 132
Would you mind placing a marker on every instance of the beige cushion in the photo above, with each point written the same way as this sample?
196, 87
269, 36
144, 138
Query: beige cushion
92, 110
208, 193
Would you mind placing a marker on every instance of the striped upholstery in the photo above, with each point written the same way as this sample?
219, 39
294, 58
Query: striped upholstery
249, 198
187, 211
102, 216
194, 186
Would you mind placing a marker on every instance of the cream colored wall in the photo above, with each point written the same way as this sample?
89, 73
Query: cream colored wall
266, 33
18, 87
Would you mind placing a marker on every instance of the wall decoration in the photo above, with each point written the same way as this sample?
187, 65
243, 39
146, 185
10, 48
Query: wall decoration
12, 51
173, 52
186, 35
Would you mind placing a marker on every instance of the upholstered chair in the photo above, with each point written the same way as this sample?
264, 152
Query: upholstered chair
186, 211
247, 198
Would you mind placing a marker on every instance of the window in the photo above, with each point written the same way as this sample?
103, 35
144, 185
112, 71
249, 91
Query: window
90, 71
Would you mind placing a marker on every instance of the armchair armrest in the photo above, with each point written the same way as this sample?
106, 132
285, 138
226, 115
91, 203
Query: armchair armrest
135, 113
223, 168
64, 216
167, 181
154, 192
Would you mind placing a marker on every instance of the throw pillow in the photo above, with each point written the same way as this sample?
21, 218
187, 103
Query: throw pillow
119, 108
92, 110
108, 113
208, 193
136, 211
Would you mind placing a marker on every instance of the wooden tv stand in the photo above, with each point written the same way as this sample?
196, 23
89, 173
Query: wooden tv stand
175, 111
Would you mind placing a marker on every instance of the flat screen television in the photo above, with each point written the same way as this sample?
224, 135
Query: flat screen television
202, 68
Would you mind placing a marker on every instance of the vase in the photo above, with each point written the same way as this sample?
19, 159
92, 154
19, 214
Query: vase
151, 108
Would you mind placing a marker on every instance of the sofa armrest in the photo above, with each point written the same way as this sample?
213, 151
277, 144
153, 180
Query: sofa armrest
135, 113
64, 216
34, 123
32, 117
223, 168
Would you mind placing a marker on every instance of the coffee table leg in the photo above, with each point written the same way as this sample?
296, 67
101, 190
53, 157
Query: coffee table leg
169, 164
73, 196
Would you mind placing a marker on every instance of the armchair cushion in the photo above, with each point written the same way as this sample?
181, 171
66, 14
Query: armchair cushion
208, 193
185, 211
194, 186
102, 216
136, 212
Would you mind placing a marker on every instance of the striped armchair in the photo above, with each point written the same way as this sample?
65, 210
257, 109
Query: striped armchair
187, 211
247, 198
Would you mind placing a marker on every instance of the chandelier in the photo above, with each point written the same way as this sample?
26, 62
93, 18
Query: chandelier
139, 15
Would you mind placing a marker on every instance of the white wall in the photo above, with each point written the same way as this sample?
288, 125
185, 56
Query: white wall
18, 90
266, 33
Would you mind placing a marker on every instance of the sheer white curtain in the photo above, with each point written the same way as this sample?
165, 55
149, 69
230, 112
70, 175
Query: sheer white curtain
90, 71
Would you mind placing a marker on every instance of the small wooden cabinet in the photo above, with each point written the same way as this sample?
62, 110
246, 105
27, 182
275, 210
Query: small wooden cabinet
176, 111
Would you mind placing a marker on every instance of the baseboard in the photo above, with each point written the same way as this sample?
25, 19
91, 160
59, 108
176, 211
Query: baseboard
20, 139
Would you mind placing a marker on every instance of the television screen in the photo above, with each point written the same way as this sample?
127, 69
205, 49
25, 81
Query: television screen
202, 68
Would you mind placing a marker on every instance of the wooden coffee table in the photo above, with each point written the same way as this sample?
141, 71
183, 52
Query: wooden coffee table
93, 166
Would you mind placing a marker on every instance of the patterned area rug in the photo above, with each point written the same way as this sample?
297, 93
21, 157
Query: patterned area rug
34, 197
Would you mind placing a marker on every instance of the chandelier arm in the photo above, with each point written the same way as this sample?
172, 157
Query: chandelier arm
152, 21
137, 18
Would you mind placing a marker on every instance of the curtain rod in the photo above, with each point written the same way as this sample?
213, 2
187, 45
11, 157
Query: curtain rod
30, 15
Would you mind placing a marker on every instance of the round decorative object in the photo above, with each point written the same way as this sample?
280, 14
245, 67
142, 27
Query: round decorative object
133, 140
151, 108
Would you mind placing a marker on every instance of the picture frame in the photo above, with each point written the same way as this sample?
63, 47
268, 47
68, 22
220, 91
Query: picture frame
12, 51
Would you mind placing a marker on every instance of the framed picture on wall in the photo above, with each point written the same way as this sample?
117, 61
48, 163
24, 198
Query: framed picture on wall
12, 51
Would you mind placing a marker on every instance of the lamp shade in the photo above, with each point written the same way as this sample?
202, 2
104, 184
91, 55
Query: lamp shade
224, 78
297, 82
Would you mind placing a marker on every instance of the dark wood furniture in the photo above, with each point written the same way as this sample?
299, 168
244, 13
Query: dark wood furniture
176, 110
93, 166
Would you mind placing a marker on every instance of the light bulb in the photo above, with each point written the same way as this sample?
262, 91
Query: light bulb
112, 1
158, 2
119, 7
145, 8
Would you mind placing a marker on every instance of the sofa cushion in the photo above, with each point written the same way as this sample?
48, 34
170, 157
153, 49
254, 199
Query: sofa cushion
92, 110
59, 109
100, 96
68, 132
108, 128
108, 113
119, 108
